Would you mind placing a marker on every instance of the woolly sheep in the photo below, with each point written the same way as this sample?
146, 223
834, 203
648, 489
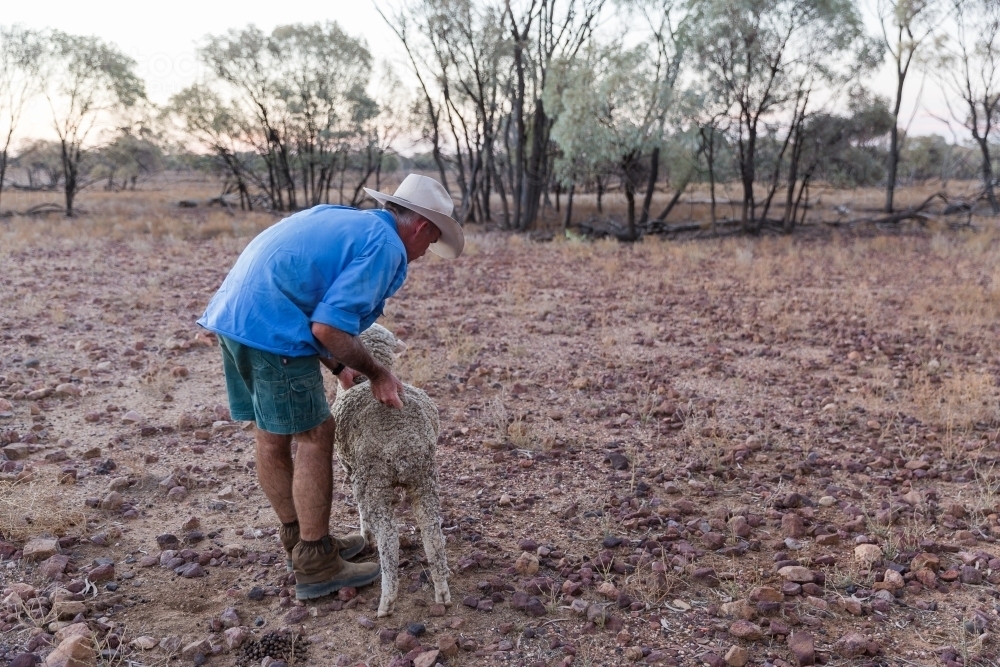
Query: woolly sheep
382, 448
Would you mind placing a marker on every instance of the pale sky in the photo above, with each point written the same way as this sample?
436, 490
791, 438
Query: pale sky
162, 38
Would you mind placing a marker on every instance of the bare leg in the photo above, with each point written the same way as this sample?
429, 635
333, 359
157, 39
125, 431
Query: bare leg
274, 472
312, 484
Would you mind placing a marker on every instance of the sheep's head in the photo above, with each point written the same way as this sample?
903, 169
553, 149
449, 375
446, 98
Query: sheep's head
382, 344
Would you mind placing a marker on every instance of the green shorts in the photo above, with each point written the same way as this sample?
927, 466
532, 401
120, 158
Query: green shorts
284, 395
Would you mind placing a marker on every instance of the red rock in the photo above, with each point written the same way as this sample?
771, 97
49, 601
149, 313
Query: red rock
102, 573
851, 645
803, 648
406, 642
745, 630
792, 525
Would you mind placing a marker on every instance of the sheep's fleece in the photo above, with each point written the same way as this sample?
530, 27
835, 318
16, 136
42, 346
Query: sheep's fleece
382, 448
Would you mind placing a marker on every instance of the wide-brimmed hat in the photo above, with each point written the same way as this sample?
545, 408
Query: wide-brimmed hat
427, 197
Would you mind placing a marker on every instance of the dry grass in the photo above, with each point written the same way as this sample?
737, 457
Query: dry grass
34, 508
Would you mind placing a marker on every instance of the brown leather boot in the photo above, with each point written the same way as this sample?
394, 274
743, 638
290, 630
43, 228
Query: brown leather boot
319, 570
349, 546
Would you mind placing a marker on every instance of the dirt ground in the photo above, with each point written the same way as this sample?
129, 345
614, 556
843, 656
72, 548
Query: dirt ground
745, 451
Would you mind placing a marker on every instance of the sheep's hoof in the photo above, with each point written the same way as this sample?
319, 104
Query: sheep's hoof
382, 613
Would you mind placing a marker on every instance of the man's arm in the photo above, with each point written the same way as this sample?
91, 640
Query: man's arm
350, 351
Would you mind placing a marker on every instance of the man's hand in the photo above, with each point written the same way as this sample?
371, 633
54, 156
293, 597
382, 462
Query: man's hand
388, 390
351, 352
347, 377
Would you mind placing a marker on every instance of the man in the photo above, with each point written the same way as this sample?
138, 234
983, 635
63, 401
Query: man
297, 297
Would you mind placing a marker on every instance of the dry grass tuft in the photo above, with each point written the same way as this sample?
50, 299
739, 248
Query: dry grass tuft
29, 509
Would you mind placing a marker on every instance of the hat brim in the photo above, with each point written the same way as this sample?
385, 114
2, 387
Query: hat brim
452, 240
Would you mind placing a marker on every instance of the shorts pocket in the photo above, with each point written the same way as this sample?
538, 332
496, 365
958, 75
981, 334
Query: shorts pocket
307, 398
272, 402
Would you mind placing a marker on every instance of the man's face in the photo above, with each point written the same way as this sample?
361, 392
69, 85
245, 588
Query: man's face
424, 234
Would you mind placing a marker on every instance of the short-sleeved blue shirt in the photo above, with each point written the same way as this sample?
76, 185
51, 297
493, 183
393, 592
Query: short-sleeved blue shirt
329, 264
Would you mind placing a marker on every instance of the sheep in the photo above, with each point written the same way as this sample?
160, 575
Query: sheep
382, 448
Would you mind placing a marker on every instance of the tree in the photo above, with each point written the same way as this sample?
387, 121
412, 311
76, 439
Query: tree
87, 82
762, 62
20, 54
217, 126
969, 67
299, 99
610, 116
906, 26
126, 160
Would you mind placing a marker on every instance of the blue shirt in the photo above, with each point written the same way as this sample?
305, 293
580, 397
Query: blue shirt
329, 264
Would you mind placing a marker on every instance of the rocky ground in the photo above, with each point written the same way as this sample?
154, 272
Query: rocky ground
735, 452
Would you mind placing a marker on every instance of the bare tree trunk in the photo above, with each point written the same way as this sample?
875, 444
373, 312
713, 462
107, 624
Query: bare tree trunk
654, 167
569, 206
788, 223
600, 194
890, 183
3, 170
673, 200
630, 208
71, 166
984, 147
517, 111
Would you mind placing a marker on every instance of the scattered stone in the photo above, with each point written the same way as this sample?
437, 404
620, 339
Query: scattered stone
406, 642
867, 555
75, 651
971, 575
427, 659
194, 648
803, 648
192, 570
229, 618
40, 548
925, 560
105, 572
766, 594
132, 417
54, 566
796, 573
447, 645
746, 630
792, 525
112, 501
526, 564
737, 656
167, 541
143, 643
296, 615
851, 645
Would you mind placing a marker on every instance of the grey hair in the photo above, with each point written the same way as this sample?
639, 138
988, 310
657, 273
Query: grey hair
404, 217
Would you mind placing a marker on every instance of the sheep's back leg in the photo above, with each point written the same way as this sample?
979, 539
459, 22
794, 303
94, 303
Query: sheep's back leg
375, 507
427, 509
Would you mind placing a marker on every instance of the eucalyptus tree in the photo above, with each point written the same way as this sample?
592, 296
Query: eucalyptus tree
218, 126
320, 77
88, 84
762, 61
969, 67
907, 27
20, 59
299, 97
610, 117
469, 50
543, 34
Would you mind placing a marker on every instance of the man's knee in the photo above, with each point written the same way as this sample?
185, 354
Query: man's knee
272, 442
321, 435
